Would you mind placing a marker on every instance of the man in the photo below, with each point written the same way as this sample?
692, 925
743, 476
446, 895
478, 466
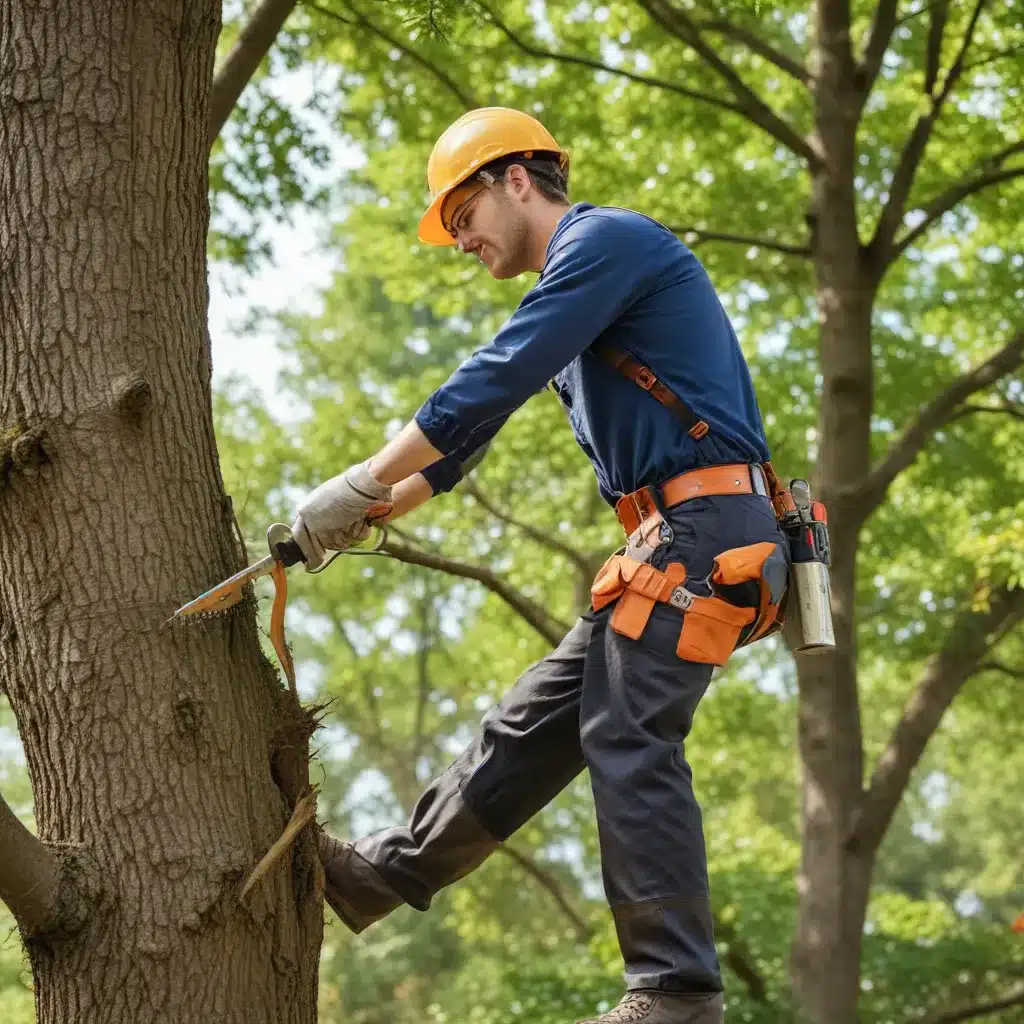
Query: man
619, 299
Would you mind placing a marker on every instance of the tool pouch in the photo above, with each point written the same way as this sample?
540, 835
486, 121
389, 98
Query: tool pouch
755, 577
713, 626
636, 586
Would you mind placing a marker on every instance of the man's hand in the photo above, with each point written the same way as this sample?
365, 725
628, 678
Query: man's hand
338, 513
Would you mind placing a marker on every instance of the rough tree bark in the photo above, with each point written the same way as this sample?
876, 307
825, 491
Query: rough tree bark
164, 762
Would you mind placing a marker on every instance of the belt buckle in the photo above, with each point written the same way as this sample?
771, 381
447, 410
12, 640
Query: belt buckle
758, 481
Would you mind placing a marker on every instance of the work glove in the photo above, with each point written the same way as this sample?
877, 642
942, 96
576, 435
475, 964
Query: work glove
339, 512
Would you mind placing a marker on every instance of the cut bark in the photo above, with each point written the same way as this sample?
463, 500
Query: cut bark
171, 758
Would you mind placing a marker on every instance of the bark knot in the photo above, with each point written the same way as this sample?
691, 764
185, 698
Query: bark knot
20, 449
134, 397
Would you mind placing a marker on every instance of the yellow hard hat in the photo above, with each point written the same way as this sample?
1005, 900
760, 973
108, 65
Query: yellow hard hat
472, 142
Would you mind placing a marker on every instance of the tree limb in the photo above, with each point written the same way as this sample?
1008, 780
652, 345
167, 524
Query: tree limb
933, 49
945, 201
30, 876
252, 45
1002, 667
870, 491
589, 62
880, 249
972, 635
1005, 408
549, 627
700, 235
681, 26
1014, 998
546, 538
757, 45
551, 886
741, 960
882, 28
359, 20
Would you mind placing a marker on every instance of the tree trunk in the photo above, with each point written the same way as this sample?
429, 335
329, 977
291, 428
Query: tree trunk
164, 761
834, 881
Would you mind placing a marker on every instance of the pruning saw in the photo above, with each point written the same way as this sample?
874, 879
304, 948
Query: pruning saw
284, 553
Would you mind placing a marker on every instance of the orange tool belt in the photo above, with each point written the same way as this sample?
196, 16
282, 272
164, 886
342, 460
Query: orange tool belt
712, 627
749, 594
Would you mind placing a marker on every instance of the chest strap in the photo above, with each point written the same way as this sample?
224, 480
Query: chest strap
646, 379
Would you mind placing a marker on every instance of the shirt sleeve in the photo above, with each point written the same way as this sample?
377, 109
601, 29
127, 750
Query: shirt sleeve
446, 473
591, 276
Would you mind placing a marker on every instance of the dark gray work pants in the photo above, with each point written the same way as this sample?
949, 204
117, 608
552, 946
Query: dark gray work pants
619, 707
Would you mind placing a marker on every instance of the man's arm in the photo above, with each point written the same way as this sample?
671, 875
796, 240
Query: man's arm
403, 456
589, 280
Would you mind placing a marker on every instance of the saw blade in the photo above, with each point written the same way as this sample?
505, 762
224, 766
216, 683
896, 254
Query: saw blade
224, 595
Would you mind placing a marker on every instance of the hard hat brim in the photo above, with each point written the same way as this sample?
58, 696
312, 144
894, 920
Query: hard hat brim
432, 229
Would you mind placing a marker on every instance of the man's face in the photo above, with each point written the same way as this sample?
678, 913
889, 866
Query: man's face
492, 225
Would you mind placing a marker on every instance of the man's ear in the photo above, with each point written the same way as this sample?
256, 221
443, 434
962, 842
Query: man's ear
519, 181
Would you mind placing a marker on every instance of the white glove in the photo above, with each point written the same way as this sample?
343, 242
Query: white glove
337, 514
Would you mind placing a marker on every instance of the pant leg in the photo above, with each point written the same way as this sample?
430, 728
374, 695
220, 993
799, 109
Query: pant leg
637, 709
527, 751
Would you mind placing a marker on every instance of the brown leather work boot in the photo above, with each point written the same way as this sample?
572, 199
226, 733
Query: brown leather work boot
645, 1007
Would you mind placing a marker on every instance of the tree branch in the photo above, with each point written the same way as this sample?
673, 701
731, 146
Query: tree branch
1005, 408
972, 636
882, 28
880, 249
360, 20
546, 538
589, 62
30, 876
252, 45
933, 49
549, 627
870, 491
1014, 998
757, 45
680, 25
945, 201
1002, 667
700, 235
551, 886
741, 960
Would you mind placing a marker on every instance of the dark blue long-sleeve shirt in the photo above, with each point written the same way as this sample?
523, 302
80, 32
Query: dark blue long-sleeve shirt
618, 275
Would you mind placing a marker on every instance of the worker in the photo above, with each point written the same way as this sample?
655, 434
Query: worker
625, 326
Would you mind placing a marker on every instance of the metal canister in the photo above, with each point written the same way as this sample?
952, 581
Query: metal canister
807, 530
